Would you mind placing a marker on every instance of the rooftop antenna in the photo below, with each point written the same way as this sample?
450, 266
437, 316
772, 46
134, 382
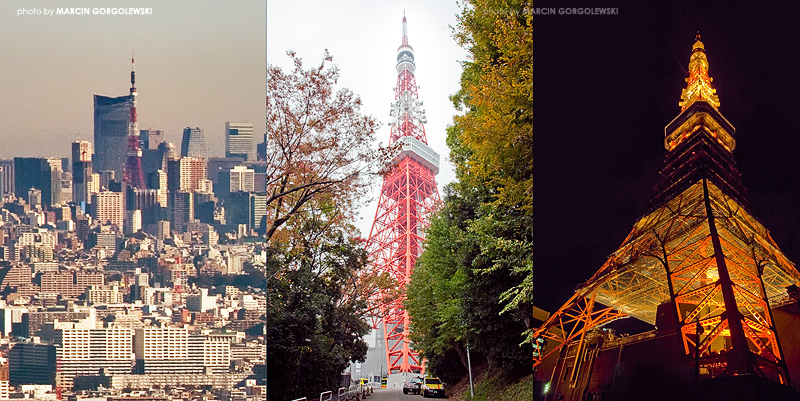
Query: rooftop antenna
405, 29
133, 76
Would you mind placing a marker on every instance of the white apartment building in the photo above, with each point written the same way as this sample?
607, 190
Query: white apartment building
83, 352
109, 208
170, 350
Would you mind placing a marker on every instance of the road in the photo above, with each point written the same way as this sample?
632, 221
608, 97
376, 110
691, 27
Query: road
391, 394
387, 394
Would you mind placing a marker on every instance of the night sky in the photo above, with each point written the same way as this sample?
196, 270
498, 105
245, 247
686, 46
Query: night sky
604, 89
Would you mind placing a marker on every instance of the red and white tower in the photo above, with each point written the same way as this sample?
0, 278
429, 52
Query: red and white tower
408, 197
133, 163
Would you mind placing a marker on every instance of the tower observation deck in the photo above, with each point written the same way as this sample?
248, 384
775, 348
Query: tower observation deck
408, 196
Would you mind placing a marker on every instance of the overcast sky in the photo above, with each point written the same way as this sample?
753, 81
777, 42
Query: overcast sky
363, 36
199, 63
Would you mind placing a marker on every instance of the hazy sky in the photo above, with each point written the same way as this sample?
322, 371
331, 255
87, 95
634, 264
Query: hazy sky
363, 36
198, 63
201, 63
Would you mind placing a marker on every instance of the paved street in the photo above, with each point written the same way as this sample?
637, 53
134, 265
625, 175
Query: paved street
394, 395
387, 394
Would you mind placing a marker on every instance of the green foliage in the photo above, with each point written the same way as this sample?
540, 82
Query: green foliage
497, 94
455, 291
474, 282
315, 315
493, 140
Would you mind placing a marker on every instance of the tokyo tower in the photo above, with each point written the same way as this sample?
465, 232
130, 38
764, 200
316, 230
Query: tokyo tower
698, 266
408, 197
133, 164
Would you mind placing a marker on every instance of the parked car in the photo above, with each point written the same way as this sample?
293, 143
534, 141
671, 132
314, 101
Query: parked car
432, 386
412, 386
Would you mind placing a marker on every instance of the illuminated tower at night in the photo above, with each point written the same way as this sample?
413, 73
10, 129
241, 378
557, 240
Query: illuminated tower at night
133, 165
699, 267
407, 199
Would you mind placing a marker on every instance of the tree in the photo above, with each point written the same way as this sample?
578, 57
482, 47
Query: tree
319, 150
473, 284
493, 140
453, 297
315, 316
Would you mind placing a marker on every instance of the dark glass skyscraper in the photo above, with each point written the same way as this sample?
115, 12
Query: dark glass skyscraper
34, 172
193, 143
81, 171
111, 118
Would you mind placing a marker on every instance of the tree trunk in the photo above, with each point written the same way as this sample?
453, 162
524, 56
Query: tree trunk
462, 354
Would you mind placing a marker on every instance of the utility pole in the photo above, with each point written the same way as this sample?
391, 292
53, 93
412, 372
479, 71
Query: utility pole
469, 368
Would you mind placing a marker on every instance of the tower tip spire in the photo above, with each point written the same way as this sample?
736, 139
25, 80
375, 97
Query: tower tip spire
133, 75
699, 82
405, 29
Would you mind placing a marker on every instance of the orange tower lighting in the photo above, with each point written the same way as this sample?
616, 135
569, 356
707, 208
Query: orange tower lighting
698, 255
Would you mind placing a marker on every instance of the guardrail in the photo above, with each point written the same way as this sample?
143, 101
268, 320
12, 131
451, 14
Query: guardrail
352, 393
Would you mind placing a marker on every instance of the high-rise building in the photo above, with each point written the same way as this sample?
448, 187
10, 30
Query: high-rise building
146, 201
150, 138
192, 173
133, 221
261, 149
39, 173
111, 118
175, 351
162, 193
193, 143
32, 363
241, 179
156, 159
55, 181
246, 208
217, 165
34, 197
237, 179
81, 170
66, 188
84, 352
108, 208
82, 151
105, 179
239, 140
6, 177
182, 210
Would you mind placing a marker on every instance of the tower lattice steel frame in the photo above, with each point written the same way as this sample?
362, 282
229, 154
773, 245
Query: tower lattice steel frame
408, 197
698, 254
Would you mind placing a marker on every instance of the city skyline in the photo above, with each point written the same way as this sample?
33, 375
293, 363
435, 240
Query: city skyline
198, 64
